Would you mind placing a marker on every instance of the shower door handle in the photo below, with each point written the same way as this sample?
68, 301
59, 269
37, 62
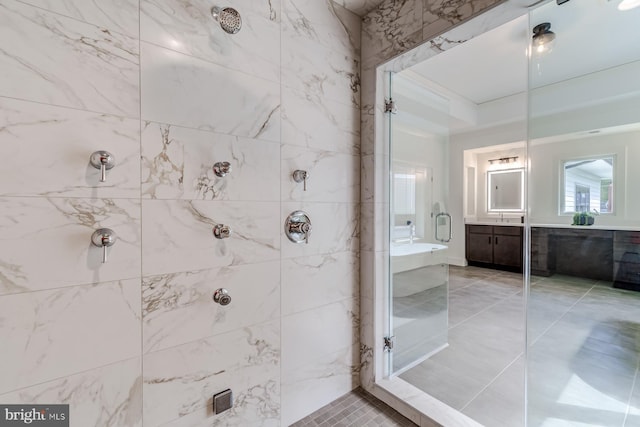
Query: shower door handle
448, 239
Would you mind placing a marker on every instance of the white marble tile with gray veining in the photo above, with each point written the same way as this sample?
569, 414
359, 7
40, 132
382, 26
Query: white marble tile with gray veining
324, 71
335, 228
318, 383
49, 58
185, 91
333, 177
314, 281
439, 16
178, 234
110, 396
49, 149
372, 227
115, 15
46, 243
325, 21
319, 123
177, 163
179, 382
313, 334
55, 333
360, 7
179, 308
392, 28
188, 27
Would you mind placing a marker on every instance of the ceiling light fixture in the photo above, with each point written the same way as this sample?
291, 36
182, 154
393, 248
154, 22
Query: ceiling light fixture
543, 38
628, 4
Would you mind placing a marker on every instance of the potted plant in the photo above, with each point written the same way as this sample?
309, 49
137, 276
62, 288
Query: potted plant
583, 218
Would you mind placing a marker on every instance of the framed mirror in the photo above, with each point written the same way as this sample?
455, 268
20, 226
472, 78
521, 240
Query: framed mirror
505, 190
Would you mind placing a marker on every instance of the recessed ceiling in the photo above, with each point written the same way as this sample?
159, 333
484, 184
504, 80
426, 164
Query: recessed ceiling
589, 37
359, 7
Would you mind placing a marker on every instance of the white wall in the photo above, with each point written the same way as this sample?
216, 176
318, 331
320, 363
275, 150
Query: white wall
162, 87
546, 173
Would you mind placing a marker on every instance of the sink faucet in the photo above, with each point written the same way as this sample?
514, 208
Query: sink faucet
412, 231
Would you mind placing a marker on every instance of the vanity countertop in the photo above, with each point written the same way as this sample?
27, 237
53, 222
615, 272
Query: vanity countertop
500, 224
590, 227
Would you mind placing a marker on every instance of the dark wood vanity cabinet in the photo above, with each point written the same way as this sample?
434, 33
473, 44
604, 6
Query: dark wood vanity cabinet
494, 246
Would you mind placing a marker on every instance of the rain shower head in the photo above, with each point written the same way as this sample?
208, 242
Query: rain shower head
228, 17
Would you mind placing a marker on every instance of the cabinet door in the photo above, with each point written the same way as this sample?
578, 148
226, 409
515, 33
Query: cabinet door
480, 247
507, 250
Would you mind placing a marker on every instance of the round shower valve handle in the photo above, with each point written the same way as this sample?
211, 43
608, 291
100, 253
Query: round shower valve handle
221, 296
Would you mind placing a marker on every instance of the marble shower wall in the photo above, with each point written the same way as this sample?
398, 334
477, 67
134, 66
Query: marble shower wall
138, 340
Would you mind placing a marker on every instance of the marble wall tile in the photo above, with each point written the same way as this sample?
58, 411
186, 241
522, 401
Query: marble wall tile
318, 383
188, 27
359, 7
49, 150
110, 396
392, 28
179, 382
318, 123
185, 91
52, 59
46, 243
178, 234
313, 334
335, 228
333, 177
325, 21
318, 280
312, 60
43, 339
177, 163
115, 15
179, 308
372, 238
439, 15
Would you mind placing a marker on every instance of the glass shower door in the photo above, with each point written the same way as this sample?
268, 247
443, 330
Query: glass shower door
583, 343
420, 226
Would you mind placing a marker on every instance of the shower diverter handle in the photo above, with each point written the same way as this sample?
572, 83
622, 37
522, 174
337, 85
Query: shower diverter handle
298, 227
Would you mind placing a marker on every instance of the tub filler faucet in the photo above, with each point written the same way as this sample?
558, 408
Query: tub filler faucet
412, 231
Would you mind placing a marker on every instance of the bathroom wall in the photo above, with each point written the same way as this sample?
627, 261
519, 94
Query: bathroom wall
138, 340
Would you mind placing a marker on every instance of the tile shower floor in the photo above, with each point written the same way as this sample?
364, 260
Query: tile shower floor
357, 409
583, 364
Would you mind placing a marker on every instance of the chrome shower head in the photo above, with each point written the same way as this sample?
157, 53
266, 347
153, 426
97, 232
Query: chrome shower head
228, 17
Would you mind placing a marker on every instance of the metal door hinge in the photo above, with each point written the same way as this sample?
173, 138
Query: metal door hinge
390, 106
388, 343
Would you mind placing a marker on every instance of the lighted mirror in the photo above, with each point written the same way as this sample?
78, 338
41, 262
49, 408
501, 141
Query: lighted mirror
506, 190
588, 185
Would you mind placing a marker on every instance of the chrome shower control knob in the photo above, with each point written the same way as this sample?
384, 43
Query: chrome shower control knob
301, 176
221, 296
222, 168
221, 231
297, 227
103, 238
104, 161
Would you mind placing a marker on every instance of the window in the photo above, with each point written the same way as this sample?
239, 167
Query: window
588, 185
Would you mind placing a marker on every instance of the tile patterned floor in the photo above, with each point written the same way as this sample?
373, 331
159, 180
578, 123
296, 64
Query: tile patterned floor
583, 363
356, 409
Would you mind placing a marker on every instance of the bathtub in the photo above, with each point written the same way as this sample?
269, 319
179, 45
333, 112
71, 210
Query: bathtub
414, 260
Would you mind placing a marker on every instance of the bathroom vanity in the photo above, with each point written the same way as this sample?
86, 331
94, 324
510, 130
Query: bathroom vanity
611, 255
494, 246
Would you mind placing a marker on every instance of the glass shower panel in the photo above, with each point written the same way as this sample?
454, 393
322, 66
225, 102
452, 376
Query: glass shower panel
419, 223
583, 343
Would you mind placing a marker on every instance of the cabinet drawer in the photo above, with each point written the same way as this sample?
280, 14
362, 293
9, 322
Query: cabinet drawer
507, 231
480, 229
